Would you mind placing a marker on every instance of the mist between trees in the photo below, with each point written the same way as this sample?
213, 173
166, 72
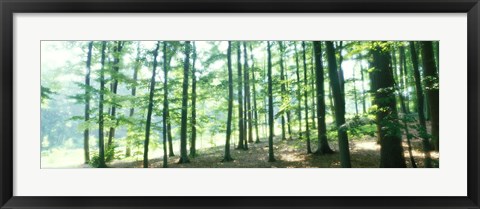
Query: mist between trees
239, 104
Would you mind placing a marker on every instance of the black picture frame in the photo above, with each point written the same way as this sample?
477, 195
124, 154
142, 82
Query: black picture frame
9, 7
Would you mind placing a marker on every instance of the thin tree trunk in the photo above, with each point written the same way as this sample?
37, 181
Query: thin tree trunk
299, 94
227, 157
364, 108
312, 89
305, 93
111, 133
101, 143
289, 126
133, 93
271, 157
86, 132
150, 107
355, 91
184, 112
254, 83
248, 103
339, 97
282, 88
165, 105
323, 147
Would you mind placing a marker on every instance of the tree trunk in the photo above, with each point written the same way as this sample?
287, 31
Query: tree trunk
194, 103
282, 88
165, 106
271, 157
420, 105
431, 86
405, 80
382, 87
323, 147
133, 93
312, 89
364, 104
254, 83
227, 157
241, 128
86, 132
339, 98
355, 91
150, 107
289, 121
116, 68
183, 128
299, 94
248, 103
101, 143
305, 93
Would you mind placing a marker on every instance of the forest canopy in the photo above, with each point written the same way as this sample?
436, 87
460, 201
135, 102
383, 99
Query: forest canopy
239, 104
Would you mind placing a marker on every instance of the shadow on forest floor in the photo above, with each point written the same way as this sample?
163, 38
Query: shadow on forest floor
365, 153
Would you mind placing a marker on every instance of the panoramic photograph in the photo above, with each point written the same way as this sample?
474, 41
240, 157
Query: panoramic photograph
239, 104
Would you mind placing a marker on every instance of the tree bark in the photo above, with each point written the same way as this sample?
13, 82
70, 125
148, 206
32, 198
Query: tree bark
282, 88
299, 89
305, 93
323, 147
150, 108
86, 132
248, 103
184, 112
194, 103
271, 157
227, 157
116, 68
383, 89
133, 93
254, 83
339, 98
431, 87
420, 106
241, 128
165, 106
101, 143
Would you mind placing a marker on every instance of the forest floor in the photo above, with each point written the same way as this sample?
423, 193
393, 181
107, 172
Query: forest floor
290, 153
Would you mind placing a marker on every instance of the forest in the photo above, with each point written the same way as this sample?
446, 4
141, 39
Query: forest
239, 104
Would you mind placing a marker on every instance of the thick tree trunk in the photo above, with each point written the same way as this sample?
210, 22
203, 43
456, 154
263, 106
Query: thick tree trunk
323, 147
420, 105
431, 86
271, 157
305, 93
150, 107
339, 97
86, 132
241, 128
299, 90
101, 143
194, 103
227, 157
184, 112
382, 87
